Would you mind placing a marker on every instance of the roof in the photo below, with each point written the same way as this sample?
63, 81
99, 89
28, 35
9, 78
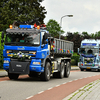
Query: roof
93, 42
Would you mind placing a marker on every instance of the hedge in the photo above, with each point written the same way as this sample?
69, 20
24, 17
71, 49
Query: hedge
75, 59
1, 52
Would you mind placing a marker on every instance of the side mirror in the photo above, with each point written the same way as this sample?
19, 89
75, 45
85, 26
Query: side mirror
2, 35
45, 42
2, 41
45, 36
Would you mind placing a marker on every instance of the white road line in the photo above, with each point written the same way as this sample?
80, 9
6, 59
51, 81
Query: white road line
71, 81
90, 76
94, 75
65, 83
75, 79
57, 85
50, 88
85, 77
29, 97
40, 92
80, 78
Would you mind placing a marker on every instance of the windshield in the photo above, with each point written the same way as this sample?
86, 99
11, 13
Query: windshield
88, 50
23, 39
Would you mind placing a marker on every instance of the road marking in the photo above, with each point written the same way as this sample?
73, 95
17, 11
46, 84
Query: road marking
85, 77
75, 79
57, 85
40, 92
80, 78
50, 88
65, 83
29, 97
90, 76
71, 81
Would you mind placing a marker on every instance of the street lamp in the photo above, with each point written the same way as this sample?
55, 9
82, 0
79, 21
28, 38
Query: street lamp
61, 21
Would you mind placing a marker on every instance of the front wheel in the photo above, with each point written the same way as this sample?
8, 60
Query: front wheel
81, 69
67, 70
13, 76
45, 76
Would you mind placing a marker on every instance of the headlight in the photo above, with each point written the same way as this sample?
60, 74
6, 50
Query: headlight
10, 55
9, 51
32, 52
37, 63
6, 61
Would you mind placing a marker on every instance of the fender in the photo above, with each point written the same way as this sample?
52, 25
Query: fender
45, 60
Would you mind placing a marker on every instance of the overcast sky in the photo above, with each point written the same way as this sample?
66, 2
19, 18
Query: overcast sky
86, 14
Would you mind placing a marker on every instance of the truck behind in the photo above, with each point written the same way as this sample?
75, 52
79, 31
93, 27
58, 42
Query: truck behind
89, 55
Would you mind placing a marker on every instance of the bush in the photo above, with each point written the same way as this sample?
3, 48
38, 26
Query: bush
1, 52
73, 62
75, 59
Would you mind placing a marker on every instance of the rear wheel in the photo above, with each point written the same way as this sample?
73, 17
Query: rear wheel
13, 76
62, 68
47, 72
67, 70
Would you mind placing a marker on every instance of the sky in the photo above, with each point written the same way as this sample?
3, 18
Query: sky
86, 14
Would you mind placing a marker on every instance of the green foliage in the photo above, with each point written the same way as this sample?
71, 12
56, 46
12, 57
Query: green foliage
20, 10
74, 59
54, 28
1, 52
75, 38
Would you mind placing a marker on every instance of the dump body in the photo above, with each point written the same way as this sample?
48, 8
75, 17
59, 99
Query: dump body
63, 47
89, 55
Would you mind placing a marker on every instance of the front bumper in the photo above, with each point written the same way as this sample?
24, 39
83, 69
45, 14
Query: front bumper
23, 67
90, 67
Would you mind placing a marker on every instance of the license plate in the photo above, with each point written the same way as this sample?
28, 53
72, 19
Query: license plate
88, 68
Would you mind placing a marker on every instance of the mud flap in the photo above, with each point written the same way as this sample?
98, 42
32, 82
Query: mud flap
19, 67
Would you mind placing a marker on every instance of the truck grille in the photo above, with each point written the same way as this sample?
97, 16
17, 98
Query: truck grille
88, 64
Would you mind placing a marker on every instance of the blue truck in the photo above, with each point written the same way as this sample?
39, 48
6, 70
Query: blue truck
89, 52
31, 50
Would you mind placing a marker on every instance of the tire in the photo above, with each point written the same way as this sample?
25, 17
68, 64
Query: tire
98, 70
13, 76
67, 70
45, 76
62, 68
82, 69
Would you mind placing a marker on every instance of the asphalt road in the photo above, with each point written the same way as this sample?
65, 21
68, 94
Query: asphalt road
25, 87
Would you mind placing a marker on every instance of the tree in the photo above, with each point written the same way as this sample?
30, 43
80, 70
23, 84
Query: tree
85, 35
54, 28
92, 35
25, 11
97, 35
75, 38
1, 50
